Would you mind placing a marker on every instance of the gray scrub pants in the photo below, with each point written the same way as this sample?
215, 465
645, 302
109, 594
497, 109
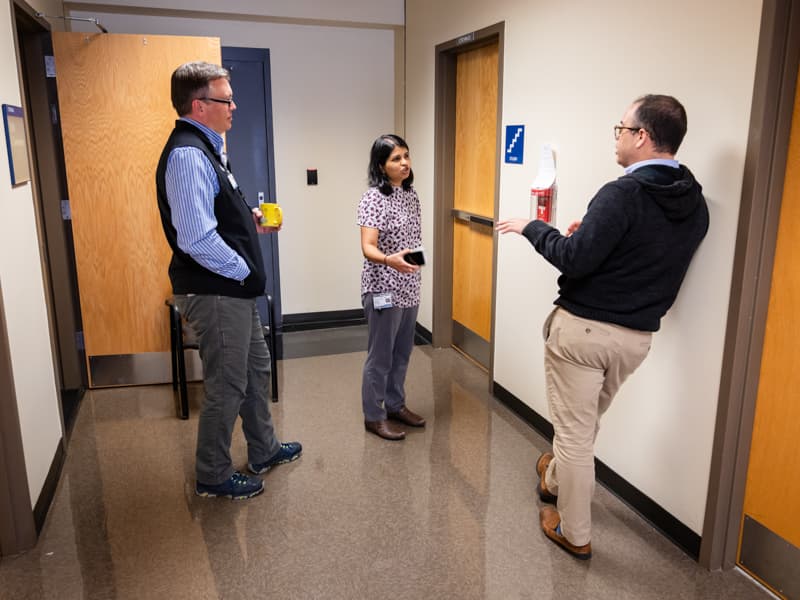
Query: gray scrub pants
236, 371
389, 345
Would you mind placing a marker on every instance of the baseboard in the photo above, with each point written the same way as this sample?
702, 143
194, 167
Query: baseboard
525, 412
683, 537
422, 336
49, 488
340, 318
70, 401
323, 319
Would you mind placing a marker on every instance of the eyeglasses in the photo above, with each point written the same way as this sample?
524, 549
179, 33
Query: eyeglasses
218, 100
618, 129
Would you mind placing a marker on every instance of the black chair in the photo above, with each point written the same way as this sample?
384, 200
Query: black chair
182, 337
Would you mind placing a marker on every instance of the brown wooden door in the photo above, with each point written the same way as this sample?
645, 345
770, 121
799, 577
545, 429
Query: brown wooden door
770, 540
116, 114
474, 199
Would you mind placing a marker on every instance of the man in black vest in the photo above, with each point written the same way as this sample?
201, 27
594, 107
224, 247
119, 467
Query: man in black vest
217, 272
622, 267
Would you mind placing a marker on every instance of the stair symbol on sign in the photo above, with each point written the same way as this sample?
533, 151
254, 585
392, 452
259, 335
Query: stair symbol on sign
514, 140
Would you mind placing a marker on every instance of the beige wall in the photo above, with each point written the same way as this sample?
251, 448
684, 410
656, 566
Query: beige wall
333, 93
23, 290
570, 71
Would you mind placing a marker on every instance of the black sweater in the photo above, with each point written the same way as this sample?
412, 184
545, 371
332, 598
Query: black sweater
626, 262
234, 225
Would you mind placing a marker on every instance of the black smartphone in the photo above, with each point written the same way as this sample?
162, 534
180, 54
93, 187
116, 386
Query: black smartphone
416, 256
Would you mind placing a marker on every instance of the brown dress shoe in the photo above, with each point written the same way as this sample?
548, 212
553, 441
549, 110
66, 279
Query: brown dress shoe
406, 416
384, 429
550, 520
541, 468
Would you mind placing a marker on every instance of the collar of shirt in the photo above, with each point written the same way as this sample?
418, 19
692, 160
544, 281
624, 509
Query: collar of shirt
213, 136
666, 162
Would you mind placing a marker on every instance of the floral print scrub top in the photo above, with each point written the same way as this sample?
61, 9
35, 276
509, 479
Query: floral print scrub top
398, 220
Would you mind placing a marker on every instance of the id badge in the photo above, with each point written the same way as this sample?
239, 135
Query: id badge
381, 301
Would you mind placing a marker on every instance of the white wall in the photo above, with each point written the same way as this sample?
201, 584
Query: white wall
23, 291
333, 93
354, 11
570, 71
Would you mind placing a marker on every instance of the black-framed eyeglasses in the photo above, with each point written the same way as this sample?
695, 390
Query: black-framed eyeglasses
618, 129
218, 100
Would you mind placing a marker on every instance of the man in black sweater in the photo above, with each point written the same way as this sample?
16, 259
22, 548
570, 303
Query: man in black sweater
622, 266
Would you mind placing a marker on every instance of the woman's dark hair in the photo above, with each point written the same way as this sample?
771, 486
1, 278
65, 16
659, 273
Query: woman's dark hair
381, 150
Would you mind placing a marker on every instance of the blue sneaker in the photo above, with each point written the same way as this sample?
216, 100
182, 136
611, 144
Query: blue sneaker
238, 487
286, 453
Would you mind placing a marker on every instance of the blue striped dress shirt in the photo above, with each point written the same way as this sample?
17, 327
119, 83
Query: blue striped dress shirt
192, 185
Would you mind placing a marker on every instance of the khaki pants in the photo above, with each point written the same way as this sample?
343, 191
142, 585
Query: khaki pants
585, 363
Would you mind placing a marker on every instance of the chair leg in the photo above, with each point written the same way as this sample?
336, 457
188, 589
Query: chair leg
274, 361
173, 344
273, 357
183, 392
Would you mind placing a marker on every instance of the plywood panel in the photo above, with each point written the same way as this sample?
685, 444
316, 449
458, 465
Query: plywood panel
114, 97
476, 130
472, 277
772, 495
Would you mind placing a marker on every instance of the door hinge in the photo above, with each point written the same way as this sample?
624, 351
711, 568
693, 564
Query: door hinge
66, 212
54, 114
79, 340
49, 65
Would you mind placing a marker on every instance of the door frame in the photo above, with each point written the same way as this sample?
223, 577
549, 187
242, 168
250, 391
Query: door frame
273, 286
49, 188
774, 87
17, 526
444, 170
21, 522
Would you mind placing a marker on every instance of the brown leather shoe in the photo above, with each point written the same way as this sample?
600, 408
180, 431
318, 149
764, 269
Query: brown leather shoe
541, 468
550, 520
406, 416
384, 429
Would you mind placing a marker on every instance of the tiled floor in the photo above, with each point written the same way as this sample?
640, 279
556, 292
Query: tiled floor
448, 513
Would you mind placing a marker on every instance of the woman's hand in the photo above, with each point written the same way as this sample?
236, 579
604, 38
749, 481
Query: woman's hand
398, 263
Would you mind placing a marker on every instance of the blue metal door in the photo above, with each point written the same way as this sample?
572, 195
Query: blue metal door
250, 149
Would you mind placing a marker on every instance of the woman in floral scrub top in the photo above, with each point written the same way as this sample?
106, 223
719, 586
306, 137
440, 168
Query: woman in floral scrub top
389, 216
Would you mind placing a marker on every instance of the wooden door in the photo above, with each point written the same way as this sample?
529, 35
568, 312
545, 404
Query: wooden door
770, 538
116, 114
474, 199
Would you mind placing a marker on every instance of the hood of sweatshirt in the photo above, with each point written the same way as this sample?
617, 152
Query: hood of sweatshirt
675, 190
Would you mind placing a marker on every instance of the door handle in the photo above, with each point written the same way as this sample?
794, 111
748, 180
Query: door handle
469, 217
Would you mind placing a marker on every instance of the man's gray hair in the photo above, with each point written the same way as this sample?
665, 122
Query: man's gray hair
190, 81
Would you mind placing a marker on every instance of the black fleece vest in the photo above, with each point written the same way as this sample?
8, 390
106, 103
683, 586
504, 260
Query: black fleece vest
234, 225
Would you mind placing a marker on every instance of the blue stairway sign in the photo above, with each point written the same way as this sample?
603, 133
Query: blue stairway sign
515, 143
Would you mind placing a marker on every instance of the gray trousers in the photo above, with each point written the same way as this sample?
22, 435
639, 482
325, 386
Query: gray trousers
236, 372
389, 345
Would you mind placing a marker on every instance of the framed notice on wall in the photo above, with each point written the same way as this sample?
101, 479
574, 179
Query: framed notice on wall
16, 144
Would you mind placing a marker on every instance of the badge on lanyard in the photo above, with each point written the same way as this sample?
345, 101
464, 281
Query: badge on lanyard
381, 301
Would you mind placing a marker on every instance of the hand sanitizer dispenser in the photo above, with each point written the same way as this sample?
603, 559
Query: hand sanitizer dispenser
543, 188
